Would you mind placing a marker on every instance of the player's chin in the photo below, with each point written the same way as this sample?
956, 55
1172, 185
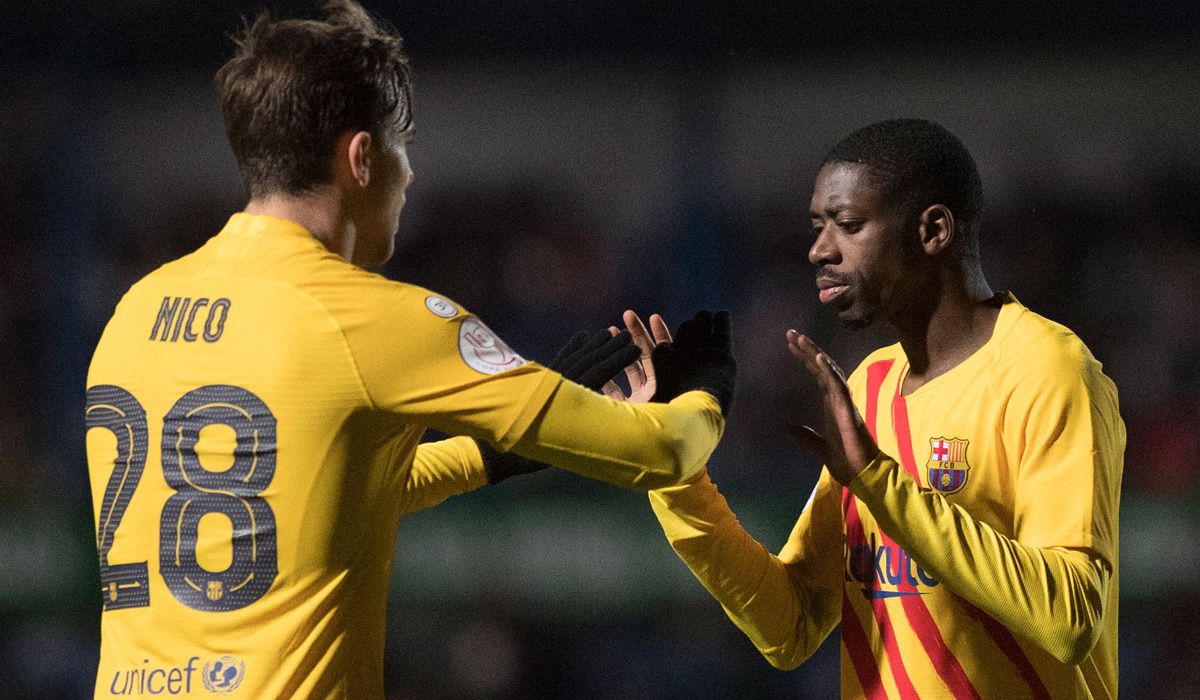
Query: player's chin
855, 317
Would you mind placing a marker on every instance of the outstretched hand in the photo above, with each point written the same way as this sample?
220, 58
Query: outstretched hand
844, 444
641, 376
699, 358
590, 359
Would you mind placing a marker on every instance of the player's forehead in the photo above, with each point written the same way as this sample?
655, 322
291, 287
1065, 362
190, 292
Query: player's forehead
840, 186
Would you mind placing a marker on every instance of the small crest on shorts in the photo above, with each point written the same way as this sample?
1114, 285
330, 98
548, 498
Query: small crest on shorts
483, 351
947, 465
440, 306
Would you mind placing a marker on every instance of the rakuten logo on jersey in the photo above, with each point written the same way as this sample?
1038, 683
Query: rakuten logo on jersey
221, 675
885, 570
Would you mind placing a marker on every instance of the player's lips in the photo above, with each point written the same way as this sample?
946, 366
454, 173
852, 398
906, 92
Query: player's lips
830, 288
828, 294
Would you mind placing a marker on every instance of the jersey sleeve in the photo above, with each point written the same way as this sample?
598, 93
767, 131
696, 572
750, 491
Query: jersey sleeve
422, 356
425, 358
1049, 581
640, 446
786, 604
1062, 424
1054, 597
440, 470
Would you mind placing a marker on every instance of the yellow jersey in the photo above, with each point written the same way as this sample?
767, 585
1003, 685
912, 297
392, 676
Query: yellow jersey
976, 557
254, 413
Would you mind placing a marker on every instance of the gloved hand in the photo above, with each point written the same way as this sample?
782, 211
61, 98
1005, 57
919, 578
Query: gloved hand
699, 357
590, 359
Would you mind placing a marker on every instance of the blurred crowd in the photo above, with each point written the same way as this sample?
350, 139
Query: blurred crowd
538, 257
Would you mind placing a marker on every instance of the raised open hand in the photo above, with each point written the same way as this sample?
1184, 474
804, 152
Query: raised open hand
642, 382
844, 441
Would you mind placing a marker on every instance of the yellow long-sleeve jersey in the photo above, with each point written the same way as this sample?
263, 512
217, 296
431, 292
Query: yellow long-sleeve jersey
253, 417
976, 557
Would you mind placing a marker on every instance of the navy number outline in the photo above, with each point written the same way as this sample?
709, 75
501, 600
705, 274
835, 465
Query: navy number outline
117, 411
233, 492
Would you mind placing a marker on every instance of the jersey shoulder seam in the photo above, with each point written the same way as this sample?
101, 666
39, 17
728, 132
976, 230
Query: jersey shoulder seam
320, 305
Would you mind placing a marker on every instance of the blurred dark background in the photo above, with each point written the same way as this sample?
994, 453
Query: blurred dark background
574, 159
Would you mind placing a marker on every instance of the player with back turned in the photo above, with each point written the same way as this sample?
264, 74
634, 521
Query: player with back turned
255, 408
964, 531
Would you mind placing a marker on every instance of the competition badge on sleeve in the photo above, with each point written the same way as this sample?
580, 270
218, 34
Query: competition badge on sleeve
483, 351
947, 464
441, 306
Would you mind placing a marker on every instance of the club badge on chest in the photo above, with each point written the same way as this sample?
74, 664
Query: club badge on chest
947, 466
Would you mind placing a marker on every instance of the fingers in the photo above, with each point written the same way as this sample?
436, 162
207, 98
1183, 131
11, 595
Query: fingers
849, 445
587, 352
659, 333
637, 330
695, 331
643, 370
833, 378
804, 349
636, 373
612, 391
658, 327
834, 366
686, 333
570, 360
828, 375
810, 440
605, 341
569, 349
606, 363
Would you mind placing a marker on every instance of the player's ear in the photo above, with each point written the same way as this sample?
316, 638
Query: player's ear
355, 151
936, 229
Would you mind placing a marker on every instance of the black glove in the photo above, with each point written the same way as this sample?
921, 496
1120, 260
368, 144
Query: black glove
698, 358
590, 359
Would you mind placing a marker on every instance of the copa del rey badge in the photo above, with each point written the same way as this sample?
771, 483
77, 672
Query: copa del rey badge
947, 464
483, 351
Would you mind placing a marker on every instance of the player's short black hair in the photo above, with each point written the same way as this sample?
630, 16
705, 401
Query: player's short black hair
921, 163
294, 86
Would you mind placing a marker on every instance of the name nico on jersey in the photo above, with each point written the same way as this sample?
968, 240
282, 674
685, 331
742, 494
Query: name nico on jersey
187, 319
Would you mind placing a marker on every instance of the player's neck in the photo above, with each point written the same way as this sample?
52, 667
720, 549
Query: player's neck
320, 213
947, 328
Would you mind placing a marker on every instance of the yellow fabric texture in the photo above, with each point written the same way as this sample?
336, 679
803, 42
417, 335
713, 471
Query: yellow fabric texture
1016, 568
352, 368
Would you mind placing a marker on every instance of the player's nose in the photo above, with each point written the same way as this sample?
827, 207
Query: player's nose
823, 250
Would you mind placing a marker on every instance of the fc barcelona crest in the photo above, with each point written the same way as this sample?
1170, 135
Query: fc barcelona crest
947, 464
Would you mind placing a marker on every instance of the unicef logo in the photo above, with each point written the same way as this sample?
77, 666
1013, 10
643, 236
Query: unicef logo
224, 675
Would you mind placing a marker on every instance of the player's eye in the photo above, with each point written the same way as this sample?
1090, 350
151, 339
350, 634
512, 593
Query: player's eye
851, 225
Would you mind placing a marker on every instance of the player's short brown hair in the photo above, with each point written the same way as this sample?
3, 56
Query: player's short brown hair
294, 86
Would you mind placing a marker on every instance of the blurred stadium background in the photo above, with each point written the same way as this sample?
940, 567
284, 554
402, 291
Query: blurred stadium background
572, 160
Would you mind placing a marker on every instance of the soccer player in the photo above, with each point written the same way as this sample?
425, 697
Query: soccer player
254, 408
964, 530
